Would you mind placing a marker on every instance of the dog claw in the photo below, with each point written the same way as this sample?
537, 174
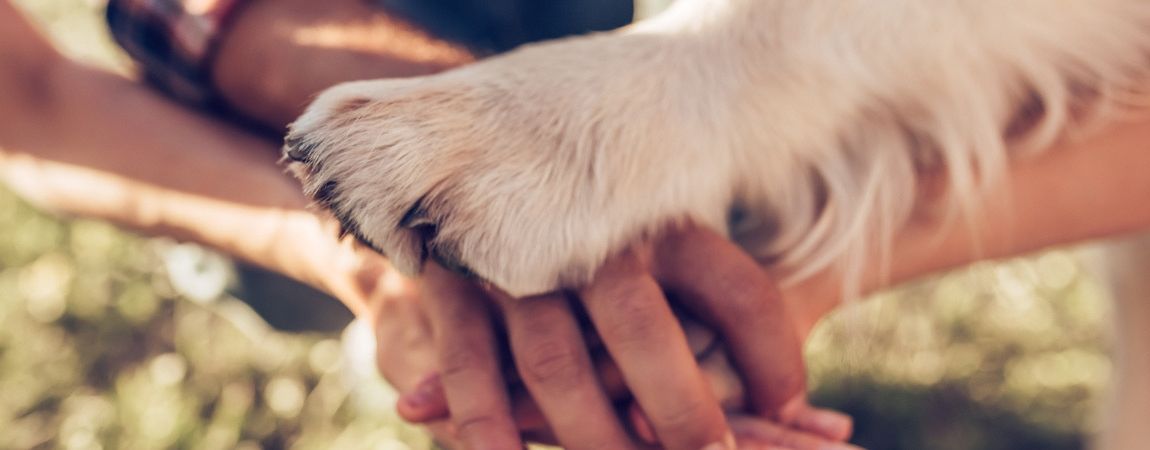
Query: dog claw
416, 216
297, 149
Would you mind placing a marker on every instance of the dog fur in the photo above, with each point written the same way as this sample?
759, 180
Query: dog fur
797, 128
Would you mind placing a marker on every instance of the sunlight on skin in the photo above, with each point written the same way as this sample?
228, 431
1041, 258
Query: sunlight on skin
383, 37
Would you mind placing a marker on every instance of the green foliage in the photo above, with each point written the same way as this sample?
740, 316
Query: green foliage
997, 356
98, 351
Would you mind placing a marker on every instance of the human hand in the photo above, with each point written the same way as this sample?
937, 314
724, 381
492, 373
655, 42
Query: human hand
707, 276
200, 180
303, 244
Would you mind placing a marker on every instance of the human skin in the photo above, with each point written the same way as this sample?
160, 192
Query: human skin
128, 184
84, 141
1035, 208
1078, 191
279, 54
1086, 187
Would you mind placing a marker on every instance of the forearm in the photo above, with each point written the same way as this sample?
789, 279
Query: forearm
1093, 188
102, 146
24, 59
279, 54
59, 110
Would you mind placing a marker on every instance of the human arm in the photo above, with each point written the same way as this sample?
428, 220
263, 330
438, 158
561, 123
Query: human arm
278, 54
924, 253
84, 141
89, 142
1087, 188
281, 29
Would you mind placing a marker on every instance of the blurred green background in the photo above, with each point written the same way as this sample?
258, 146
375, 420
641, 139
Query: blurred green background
100, 349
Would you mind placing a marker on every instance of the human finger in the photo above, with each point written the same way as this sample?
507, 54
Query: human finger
827, 423
553, 363
644, 338
424, 403
721, 377
469, 362
726, 288
728, 388
532, 425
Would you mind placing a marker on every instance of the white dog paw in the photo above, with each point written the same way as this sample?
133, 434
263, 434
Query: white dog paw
531, 168
527, 170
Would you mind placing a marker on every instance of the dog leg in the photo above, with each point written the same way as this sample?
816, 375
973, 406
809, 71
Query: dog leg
811, 120
527, 169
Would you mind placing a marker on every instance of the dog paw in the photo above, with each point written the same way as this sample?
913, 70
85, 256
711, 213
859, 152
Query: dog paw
527, 170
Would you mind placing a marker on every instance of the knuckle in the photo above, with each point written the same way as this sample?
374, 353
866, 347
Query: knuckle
479, 423
620, 290
553, 364
637, 332
634, 312
461, 358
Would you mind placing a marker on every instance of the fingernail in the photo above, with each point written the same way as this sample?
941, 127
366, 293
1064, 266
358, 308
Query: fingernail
832, 425
728, 443
424, 395
298, 149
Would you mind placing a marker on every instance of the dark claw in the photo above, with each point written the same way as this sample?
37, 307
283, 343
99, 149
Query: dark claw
347, 227
419, 220
325, 195
416, 216
297, 149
